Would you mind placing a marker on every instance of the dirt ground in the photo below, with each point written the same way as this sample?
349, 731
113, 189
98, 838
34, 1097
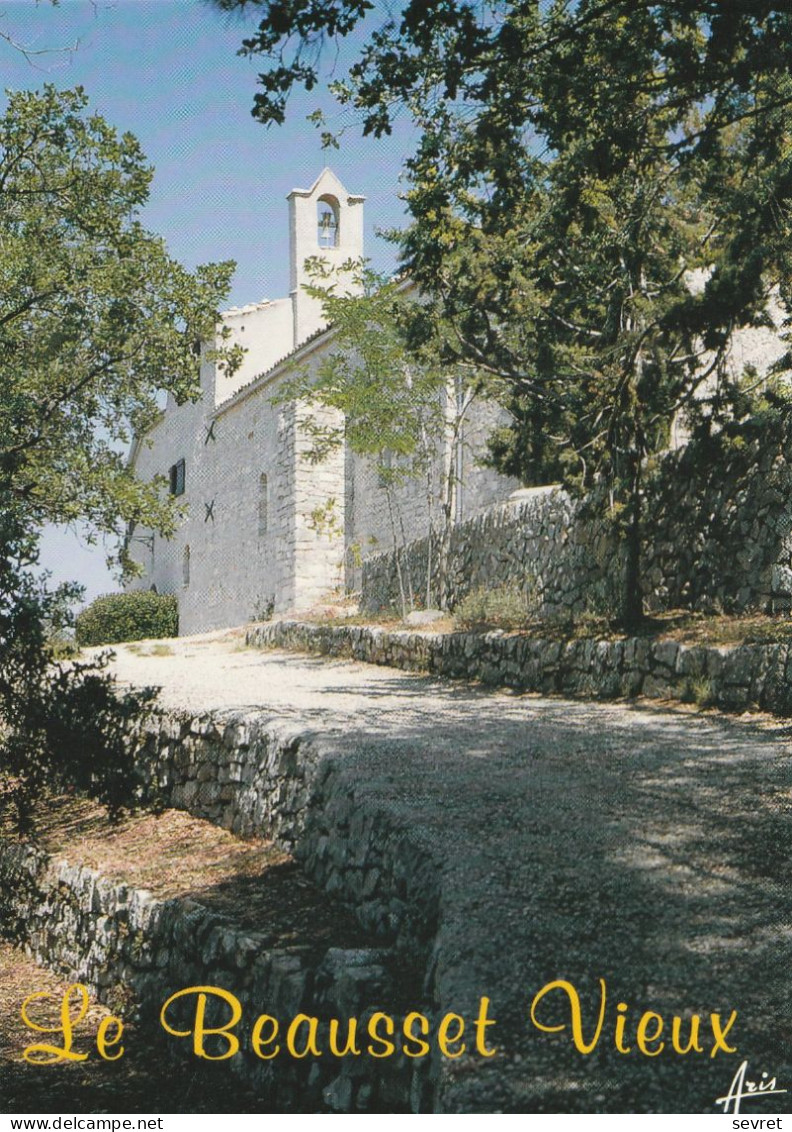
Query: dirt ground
140, 1082
171, 854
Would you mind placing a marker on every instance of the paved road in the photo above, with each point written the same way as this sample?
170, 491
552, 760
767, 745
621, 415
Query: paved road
649, 849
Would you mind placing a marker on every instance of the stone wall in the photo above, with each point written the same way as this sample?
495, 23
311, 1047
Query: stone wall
720, 523
717, 535
253, 776
368, 520
133, 951
736, 678
536, 542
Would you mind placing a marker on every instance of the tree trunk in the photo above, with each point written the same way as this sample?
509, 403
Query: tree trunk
406, 560
450, 485
443, 550
632, 612
396, 553
430, 535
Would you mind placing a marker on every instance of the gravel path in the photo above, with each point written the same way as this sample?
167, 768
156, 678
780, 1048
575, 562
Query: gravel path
647, 848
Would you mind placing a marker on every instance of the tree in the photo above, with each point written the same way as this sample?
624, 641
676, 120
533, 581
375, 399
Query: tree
475, 57
62, 723
391, 405
599, 199
95, 322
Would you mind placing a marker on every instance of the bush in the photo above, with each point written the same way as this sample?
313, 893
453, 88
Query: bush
62, 725
132, 616
501, 607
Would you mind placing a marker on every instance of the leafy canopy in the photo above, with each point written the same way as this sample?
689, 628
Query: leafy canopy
63, 724
386, 397
95, 318
96, 321
600, 197
390, 403
481, 56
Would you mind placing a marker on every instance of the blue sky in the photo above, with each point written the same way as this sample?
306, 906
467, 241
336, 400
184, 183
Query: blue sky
167, 70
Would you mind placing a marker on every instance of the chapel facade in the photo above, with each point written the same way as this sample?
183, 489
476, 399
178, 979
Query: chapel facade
250, 544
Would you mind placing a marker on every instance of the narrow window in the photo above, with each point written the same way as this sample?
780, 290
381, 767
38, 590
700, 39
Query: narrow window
186, 567
263, 505
177, 478
327, 222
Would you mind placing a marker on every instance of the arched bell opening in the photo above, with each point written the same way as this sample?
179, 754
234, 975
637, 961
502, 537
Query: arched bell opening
327, 222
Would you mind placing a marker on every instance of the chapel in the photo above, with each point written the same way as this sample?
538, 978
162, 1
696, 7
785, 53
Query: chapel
250, 544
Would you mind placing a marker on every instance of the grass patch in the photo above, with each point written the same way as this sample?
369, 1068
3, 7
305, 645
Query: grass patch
498, 607
677, 625
161, 650
720, 629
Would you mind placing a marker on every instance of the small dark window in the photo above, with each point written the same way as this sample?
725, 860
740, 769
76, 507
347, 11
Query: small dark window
186, 567
177, 478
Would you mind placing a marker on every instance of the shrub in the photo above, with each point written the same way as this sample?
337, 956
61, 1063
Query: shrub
131, 616
501, 607
62, 725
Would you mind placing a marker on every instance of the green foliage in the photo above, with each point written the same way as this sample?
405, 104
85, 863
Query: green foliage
697, 687
64, 725
600, 197
95, 318
324, 519
314, 21
135, 616
479, 60
161, 650
701, 692
389, 397
62, 646
508, 606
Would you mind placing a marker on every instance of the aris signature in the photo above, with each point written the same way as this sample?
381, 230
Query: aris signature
741, 1089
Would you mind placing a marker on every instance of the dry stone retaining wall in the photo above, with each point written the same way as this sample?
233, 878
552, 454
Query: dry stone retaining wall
733, 678
720, 523
247, 773
118, 940
244, 772
535, 542
254, 776
718, 535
